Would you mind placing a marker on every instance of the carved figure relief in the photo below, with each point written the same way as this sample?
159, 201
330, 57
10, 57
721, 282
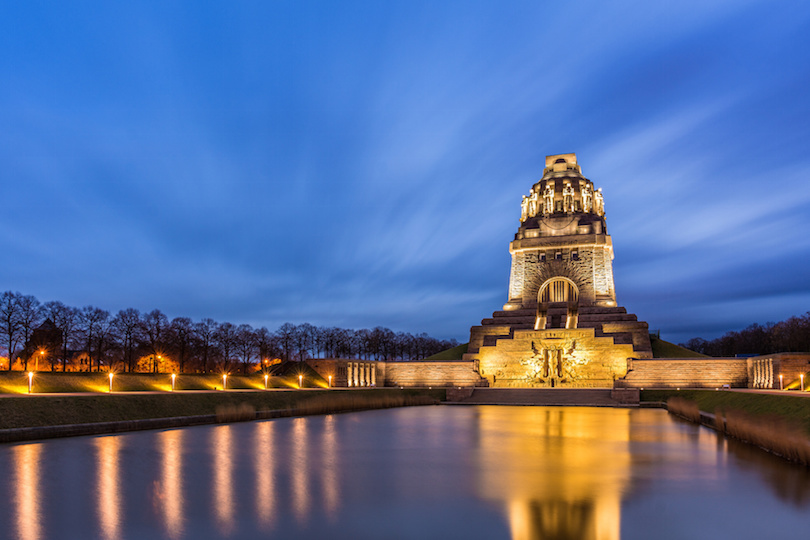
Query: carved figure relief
548, 198
598, 203
532, 204
553, 364
587, 198
524, 209
568, 198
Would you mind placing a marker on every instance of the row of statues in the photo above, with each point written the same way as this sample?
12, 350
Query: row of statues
537, 203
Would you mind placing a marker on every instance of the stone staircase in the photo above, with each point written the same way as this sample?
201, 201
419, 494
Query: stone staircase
584, 397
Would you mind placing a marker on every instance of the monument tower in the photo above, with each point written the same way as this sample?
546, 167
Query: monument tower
561, 325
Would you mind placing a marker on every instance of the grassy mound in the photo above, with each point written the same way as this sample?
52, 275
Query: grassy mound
665, 349
454, 353
794, 409
34, 411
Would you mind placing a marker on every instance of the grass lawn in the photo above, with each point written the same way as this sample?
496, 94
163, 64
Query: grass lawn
34, 411
794, 409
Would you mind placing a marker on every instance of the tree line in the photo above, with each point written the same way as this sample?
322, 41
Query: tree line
59, 337
790, 335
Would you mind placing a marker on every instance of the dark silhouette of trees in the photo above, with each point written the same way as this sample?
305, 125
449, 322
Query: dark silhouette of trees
134, 341
10, 323
790, 335
66, 319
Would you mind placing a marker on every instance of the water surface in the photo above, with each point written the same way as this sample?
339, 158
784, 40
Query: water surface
423, 472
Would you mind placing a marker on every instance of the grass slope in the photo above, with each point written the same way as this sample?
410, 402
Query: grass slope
454, 353
794, 409
665, 349
34, 411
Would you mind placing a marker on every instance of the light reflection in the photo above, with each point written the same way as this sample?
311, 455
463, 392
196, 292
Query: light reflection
560, 472
26, 467
169, 492
265, 474
300, 469
223, 455
109, 494
329, 474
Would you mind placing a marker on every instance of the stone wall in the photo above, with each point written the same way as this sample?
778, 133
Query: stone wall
347, 372
685, 373
421, 373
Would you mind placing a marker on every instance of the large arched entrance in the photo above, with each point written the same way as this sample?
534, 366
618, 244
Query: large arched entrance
557, 292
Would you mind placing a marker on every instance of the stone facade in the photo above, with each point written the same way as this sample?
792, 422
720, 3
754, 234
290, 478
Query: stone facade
561, 325
348, 373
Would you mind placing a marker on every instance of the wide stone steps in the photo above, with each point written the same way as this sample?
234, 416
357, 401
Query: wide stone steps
586, 397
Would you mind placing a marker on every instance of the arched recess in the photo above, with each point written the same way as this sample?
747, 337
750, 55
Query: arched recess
557, 290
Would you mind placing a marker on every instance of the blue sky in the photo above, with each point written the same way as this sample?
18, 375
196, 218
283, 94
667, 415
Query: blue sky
362, 163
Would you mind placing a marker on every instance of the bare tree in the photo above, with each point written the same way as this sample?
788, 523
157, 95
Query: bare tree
10, 323
245, 342
30, 316
287, 333
91, 321
127, 324
155, 325
204, 330
225, 338
66, 319
181, 336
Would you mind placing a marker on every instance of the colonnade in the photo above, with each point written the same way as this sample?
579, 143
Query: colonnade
362, 374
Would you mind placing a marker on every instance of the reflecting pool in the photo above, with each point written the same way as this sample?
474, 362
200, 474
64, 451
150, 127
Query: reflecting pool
422, 472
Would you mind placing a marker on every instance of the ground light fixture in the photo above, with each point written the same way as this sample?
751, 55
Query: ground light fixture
330, 381
300, 380
224, 381
111, 379
801, 376
781, 387
30, 381
174, 378
266, 376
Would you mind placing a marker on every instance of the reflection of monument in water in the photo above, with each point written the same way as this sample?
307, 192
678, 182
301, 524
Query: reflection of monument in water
561, 325
565, 483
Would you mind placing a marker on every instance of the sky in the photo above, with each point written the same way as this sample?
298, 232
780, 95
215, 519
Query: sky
361, 164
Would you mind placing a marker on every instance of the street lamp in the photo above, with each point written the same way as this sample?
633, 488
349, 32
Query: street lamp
300, 380
330, 381
30, 381
781, 386
801, 376
41, 354
111, 378
224, 380
174, 377
266, 376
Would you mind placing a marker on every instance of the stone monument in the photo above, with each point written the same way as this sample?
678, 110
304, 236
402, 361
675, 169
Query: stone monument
561, 326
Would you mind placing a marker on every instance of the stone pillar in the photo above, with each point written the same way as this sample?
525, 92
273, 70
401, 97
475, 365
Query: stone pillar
374, 375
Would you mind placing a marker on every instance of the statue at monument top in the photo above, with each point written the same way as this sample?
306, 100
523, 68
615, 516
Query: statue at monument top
562, 190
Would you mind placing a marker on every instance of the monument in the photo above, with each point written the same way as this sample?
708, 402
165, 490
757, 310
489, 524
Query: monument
561, 326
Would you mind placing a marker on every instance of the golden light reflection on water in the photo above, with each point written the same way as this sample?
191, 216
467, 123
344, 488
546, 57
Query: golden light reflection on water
560, 472
224, 502
264, 460
26, 467
109, 494
330, 472
169, 492
299, 464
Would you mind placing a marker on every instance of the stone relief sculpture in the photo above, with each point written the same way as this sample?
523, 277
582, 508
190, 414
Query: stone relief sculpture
552, 364
532, 209
587, 198
568, 198
524, 209
598, 202
548, 198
